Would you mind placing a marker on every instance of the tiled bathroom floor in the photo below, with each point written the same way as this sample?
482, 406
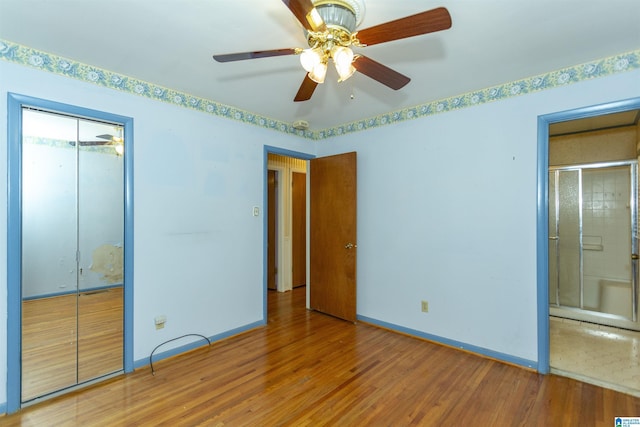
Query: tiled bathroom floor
596, 354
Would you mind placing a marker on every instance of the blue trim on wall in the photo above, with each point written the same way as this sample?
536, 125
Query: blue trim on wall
196, 344
542, 223
15, 102
289, 153
14, 266
452, 343
265, 226
542, 246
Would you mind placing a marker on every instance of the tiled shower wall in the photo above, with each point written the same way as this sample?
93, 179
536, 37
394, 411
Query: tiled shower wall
606, 212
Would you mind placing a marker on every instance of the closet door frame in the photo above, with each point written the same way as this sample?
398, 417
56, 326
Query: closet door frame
15, 104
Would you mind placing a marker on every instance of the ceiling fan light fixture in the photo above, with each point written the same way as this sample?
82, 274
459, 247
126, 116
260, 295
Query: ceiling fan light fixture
318, 73
343, 60
345, 73
329, 28
310, 58
342, 56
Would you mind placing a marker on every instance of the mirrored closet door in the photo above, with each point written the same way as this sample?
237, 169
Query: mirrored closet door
72, 252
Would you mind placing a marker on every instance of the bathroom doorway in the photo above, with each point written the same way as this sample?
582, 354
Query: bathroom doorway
589, 258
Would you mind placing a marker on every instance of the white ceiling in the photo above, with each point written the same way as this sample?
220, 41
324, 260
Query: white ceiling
171, 42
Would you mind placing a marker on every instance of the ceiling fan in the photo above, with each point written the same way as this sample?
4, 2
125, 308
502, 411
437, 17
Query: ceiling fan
330, 29
105, 139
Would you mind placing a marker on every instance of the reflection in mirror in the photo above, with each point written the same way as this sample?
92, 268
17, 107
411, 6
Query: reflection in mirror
72, 251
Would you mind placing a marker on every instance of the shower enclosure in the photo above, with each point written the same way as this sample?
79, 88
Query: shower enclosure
593, 248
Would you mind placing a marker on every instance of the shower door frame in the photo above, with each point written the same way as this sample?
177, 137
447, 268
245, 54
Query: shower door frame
581, 313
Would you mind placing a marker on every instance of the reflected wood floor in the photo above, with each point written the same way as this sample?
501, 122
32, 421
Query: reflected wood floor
70, 339
307, 369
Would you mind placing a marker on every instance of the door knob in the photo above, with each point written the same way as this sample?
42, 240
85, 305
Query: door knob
350, 246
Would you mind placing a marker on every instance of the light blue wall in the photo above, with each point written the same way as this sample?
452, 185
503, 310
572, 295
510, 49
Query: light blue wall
198, 248
447, 214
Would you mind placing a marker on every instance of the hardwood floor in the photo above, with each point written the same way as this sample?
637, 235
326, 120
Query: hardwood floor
307, 369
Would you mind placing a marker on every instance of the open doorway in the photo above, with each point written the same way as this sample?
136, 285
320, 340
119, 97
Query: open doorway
286, 222
589, 307
286, 225
329, 230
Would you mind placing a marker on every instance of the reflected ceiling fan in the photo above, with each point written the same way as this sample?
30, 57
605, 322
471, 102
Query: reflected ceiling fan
330, 29
105, 139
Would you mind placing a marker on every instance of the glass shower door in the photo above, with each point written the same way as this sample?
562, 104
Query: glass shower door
564, 237
592, 247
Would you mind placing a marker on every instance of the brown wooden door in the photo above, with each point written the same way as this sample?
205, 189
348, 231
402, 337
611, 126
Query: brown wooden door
271, 229
332, 267
299, 228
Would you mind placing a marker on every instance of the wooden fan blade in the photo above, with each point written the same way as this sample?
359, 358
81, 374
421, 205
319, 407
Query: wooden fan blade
306, 13
381, 73
421, 23
93, 143
306, 89
254, 55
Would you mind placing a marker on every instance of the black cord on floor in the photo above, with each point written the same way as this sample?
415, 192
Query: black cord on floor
174, 339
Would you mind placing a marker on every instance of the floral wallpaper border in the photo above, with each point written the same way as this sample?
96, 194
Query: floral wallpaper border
23, 55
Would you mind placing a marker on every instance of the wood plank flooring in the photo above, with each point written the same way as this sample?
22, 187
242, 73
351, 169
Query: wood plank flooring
307, 369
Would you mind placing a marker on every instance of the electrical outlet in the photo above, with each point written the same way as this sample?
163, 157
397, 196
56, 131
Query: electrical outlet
425, 306
160, 321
